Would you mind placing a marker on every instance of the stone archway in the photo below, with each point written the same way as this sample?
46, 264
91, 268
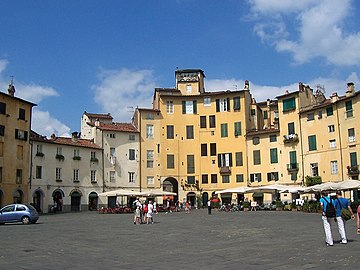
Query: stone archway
191, 197
93, 201
172, 185
205, 198
75, 200
38, 200
18, 196
58, 196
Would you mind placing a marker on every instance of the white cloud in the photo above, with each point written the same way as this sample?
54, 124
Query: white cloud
42, 122
120, 91
264, 92
320, 29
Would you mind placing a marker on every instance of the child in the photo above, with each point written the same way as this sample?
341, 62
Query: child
137, 215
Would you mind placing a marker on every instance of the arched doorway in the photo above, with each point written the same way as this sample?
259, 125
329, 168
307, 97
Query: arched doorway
75, 200
18, 196
205, 198
191, 196
38, 196
58, 196
170, 184
93, 201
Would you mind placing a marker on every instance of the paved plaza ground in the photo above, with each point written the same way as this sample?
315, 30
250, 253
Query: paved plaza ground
234, 240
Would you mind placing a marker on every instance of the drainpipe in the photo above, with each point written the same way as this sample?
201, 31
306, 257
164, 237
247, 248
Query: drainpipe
140, 174
31, 164
340, 145
103, 159
302, 151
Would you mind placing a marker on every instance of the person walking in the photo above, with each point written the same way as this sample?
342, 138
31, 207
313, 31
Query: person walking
209, 206
326, 204
137, 216
149, 214
340, 203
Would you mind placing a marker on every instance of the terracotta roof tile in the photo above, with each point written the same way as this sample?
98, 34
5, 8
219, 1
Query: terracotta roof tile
123, 127
76, 142
99, 115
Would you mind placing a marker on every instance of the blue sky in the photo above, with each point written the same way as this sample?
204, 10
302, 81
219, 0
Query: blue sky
107, 56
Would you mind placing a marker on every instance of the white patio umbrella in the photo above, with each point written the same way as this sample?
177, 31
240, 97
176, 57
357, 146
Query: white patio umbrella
156, 192
268, 189
348, 184
233, 190
120, 192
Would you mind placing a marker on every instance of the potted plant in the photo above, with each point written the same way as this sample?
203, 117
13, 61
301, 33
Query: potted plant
279, 205
246, 206
60, 157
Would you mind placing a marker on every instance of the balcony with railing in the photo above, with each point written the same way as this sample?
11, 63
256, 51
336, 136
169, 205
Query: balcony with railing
226, 170
292, 167
353, 170
291, 138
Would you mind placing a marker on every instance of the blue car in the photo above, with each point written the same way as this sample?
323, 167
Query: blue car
18, 213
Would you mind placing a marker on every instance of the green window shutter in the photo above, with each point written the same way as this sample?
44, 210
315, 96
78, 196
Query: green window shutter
228, 104
312, 142
293, 159
237, 128
184, 107
219, 160
230, 159
289, 104
236, 103
195, 107
353, 159
224, 130
329, 111
273, 155
218, 105
348, 105
239, 158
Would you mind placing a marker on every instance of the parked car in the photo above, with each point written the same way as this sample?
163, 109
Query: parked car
18, 213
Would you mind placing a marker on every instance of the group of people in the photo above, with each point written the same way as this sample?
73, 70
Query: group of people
331, 210
144, 212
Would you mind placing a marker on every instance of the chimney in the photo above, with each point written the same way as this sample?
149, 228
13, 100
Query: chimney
301, 87
97, 122
350, 89
334, 97
247, 85
11, 89
74, 136
53, 137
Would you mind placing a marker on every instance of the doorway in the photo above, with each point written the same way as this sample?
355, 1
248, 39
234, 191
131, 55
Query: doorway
75, 201
38, 200
93, 201
191, 196
170, 184
205, 198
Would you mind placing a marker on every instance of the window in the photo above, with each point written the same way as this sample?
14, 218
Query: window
265, 115
170, 161
332, 143
334, 167
225, 160
273, 155
331, 128
58, 174
312, 142
21, 134
131, 177
39, 149
150, 158
293, 176
213, 178
293, 160
93, 156
289, 104
212, 123
190, 164
291, 128
239, 158
189, 107
2, 108
224, 130
38, 172
204, 179
170, 132
131, 137
273, 176
2, 130
226, 179
351, 134
252, 112
112, 176
353, 159
202, 121
256, 156
150, 116
93, 176
236, 103
255, 177
189, 132
239, 178
207, 101
149, 131
76, 175
223, 105
188, 88
21, 114
191, 180
349, 110
314, 169
169, 107
237, 129
76, 153
203, 149
256, 140
310, 117
212, 149
59, 150
150, 180
272, 138
131, 154
112, 135
329, 111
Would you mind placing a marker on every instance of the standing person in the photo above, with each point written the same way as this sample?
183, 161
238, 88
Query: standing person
137, 215
326, 204
358, 219
149, 214
209, 207
340, 203
155, 208
187, 207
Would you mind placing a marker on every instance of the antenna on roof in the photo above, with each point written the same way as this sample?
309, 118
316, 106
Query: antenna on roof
320, 89
235, 86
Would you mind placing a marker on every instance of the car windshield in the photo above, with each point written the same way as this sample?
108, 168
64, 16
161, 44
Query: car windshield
31, 207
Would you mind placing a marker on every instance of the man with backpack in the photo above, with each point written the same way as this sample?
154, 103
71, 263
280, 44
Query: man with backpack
341, 203
328, 212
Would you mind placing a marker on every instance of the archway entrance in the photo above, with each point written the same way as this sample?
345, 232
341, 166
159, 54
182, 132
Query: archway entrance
38, 200
191, 196
58, 195
205, 198
18, 196
170, 184
93, 201
75, 201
